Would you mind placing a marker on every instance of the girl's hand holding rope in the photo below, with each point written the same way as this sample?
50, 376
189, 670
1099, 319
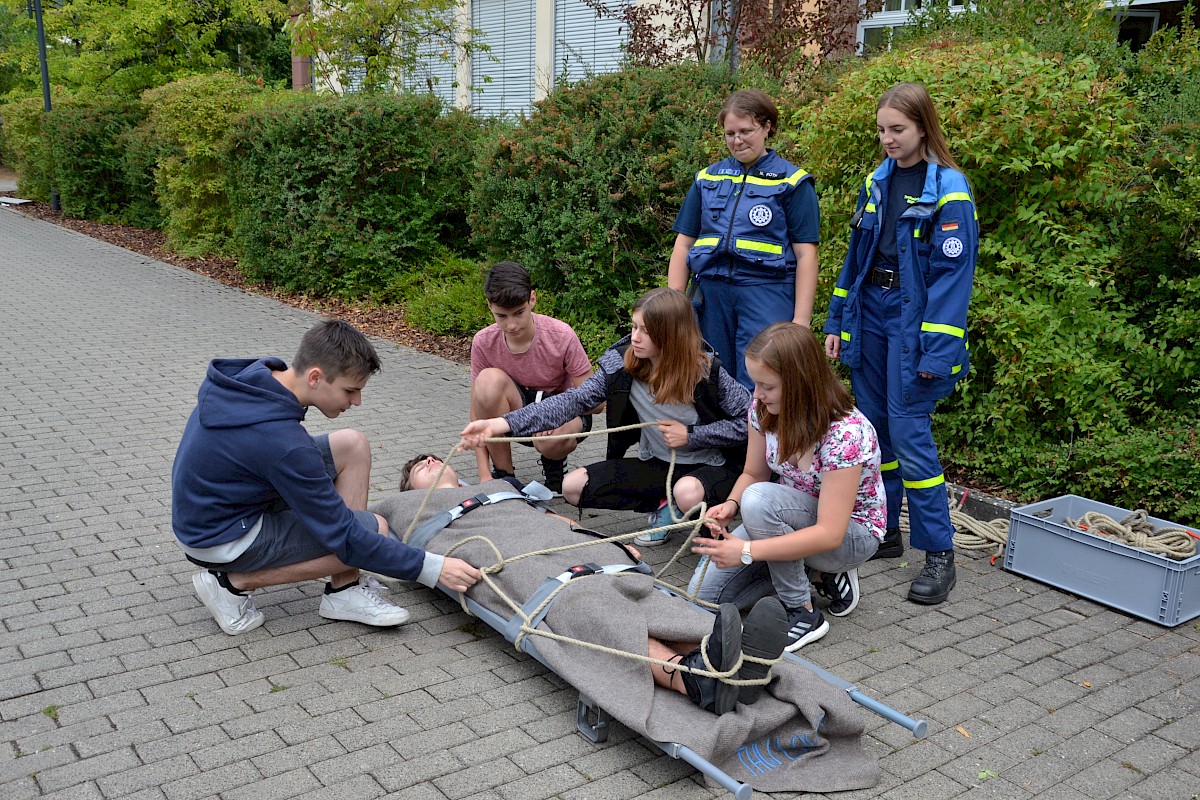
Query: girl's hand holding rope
476, 434
723, 551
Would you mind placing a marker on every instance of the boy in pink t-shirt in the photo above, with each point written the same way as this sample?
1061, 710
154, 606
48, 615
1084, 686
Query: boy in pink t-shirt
518, 360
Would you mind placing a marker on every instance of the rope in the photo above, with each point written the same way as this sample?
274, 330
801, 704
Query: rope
527, 628
1136, 530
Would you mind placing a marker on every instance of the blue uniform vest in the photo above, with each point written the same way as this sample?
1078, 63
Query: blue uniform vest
743, 226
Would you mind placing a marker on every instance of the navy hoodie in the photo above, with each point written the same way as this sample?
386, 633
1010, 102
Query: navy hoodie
244, 452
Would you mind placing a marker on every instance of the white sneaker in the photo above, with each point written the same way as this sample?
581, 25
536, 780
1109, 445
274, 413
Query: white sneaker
374, 584
361, 604
234, 613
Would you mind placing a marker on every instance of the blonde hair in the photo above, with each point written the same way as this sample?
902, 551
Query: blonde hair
811, 396
911, 100
670, 323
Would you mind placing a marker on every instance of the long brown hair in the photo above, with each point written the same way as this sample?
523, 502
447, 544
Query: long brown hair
812, 395
753, 103
911, 100
670, 323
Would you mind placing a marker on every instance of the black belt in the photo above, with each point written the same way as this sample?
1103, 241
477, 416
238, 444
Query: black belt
887, 278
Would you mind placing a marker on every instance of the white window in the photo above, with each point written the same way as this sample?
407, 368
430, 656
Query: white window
585, 43
874, 33
436, 71
502, 78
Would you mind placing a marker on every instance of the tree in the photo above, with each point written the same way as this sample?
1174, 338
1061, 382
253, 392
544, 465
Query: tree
775, 33
123, 47
373, 45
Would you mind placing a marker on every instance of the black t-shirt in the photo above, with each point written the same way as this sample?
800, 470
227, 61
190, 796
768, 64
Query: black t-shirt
903, 191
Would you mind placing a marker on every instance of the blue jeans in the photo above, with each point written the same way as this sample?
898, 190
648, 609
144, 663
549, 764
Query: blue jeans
768, 510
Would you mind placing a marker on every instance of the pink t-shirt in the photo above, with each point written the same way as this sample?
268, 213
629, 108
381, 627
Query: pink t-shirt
554, 358
850, 441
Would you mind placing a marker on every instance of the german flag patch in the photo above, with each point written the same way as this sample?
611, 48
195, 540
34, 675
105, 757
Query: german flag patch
949, 226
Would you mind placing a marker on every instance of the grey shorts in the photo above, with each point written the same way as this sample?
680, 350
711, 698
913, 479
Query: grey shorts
283, 539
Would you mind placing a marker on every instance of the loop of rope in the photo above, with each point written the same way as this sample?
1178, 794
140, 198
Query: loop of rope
1136, 530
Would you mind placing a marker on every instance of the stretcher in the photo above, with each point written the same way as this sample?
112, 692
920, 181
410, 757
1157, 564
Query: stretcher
756, 757
592, 722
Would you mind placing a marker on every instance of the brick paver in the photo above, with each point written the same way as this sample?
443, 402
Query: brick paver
115, 682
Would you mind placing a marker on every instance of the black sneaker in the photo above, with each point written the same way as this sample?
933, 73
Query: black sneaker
936, 580
553, 469
892, 545
842, 591
804, 627
764, 635
724, 648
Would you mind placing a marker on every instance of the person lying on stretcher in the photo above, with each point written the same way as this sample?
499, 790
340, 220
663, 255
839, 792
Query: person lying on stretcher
763, 635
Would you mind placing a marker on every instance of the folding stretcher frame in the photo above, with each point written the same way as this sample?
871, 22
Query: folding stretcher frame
592, 721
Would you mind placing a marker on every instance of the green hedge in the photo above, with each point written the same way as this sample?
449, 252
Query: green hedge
184, 135
344, 195
26, 149
585, 191
89, 161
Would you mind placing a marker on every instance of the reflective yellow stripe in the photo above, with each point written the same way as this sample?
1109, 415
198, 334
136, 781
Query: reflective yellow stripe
840, 292
928, 483
946, 198
845, 336
792, 179
870, 208
937, 327
916, 233
957, 368
889, 466
709, 240
760, 247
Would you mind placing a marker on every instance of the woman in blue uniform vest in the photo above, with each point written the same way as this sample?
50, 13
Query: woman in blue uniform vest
898, 318
748, 234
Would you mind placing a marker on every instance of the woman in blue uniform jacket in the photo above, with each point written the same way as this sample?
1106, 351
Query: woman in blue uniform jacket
747, 233
898, 318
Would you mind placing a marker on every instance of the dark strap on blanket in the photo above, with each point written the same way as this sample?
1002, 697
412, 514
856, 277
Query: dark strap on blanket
513, 627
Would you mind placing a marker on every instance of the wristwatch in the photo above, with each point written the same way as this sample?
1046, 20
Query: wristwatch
747, 559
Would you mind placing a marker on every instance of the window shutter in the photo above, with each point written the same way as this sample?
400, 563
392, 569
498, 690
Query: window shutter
507, 26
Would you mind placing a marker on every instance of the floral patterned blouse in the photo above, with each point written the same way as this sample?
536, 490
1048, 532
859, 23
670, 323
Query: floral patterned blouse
850, 441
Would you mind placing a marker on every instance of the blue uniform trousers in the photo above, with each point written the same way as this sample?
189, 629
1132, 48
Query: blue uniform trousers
733, 315
908, 453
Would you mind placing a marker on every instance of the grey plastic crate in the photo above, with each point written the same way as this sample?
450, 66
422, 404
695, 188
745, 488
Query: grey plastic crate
1153, 587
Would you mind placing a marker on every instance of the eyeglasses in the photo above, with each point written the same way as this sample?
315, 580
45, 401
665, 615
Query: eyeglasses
733, 136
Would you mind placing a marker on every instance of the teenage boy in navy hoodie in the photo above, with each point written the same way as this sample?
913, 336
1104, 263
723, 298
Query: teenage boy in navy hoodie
259, 502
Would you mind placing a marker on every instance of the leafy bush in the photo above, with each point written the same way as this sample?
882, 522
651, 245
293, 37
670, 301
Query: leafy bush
26, 150
585, 191
141, 152
187, 123
1059, 349
341, 195
85, 145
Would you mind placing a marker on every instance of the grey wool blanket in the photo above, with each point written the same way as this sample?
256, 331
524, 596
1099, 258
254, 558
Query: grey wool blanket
803, 734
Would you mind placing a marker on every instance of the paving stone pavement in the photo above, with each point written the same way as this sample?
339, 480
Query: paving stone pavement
116, 682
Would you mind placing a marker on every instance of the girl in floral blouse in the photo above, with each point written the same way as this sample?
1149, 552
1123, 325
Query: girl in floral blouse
825, 515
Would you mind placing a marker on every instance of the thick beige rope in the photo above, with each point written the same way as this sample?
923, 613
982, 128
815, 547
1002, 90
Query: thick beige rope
1136, 530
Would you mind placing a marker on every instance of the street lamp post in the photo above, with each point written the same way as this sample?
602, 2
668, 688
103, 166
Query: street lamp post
41, 35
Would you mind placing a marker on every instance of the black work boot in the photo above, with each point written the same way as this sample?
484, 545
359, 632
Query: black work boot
553, 469
936, 580
892, 545
724, 650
